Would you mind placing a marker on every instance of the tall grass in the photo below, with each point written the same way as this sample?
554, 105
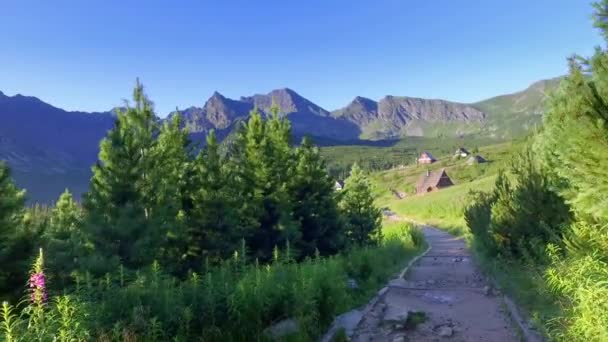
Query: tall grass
234, 301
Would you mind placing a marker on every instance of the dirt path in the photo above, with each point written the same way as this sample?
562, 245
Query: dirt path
445, 286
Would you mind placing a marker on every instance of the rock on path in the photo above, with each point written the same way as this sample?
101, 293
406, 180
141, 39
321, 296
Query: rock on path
448, 288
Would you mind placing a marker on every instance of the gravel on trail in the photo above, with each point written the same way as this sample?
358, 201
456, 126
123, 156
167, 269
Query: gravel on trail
447, 290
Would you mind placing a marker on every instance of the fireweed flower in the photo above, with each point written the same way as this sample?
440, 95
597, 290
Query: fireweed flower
38, 288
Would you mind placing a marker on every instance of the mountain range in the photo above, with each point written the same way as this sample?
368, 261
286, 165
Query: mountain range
49, 148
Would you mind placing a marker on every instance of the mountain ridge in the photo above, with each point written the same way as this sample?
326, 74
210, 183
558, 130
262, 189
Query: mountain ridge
41, 141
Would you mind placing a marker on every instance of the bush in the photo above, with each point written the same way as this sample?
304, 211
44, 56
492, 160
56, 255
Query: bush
518, 219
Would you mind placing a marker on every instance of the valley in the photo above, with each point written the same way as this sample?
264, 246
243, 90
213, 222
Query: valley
39, 140
334, 171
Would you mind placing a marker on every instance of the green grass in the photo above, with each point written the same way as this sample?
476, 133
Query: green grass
403, 152
443, 208
524, 282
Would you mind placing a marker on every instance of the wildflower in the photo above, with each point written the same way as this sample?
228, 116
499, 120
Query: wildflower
38, 287
38, 281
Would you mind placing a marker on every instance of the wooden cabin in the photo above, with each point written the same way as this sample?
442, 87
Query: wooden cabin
461, 153
426, 158
433, 181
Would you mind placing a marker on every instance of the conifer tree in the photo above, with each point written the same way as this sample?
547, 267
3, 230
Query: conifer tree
260, 164
213, 221
574, 142
116, 204
166, 191
12, 251
315, 206
12, 201
575, 137
363, 220
63, 238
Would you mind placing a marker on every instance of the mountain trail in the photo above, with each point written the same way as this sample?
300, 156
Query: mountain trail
442, 297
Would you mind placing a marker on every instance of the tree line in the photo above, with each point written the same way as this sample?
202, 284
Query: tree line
550, 212
154, 196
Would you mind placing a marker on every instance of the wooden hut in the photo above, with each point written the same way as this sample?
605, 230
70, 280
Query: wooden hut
426, 158
433, 181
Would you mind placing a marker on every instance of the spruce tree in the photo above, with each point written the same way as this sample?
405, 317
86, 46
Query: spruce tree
117, 206
312, 193
363, 220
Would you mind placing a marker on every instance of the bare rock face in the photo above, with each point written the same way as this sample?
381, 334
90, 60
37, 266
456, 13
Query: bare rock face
403, 109
287, 100
393, 116
221, 112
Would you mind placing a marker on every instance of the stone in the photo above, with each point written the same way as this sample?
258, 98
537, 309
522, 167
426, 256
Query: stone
438, 299
398, 282
283, 328
430, 282
445, 331
399, 338
487, 290
394, 315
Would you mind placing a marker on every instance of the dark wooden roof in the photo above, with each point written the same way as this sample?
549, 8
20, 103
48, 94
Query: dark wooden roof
437, 178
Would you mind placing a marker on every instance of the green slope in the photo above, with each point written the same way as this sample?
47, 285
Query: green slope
513, 115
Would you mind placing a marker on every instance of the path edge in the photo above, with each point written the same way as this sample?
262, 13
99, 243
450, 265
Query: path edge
335, 327
514, 313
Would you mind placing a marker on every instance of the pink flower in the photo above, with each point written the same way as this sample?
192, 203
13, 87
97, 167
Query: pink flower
38, 286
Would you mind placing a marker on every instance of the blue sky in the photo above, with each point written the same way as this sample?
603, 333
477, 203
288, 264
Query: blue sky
85, 55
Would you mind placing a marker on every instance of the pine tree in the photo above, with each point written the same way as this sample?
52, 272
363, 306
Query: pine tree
214, 232
167, 190
260, 163
575, 137
12, 201
63, 239
13, 248
116, 205
315, 206
574, 143
363, 220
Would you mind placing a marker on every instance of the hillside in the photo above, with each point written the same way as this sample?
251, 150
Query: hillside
40, 141
514, 114
398, 116
444, 207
